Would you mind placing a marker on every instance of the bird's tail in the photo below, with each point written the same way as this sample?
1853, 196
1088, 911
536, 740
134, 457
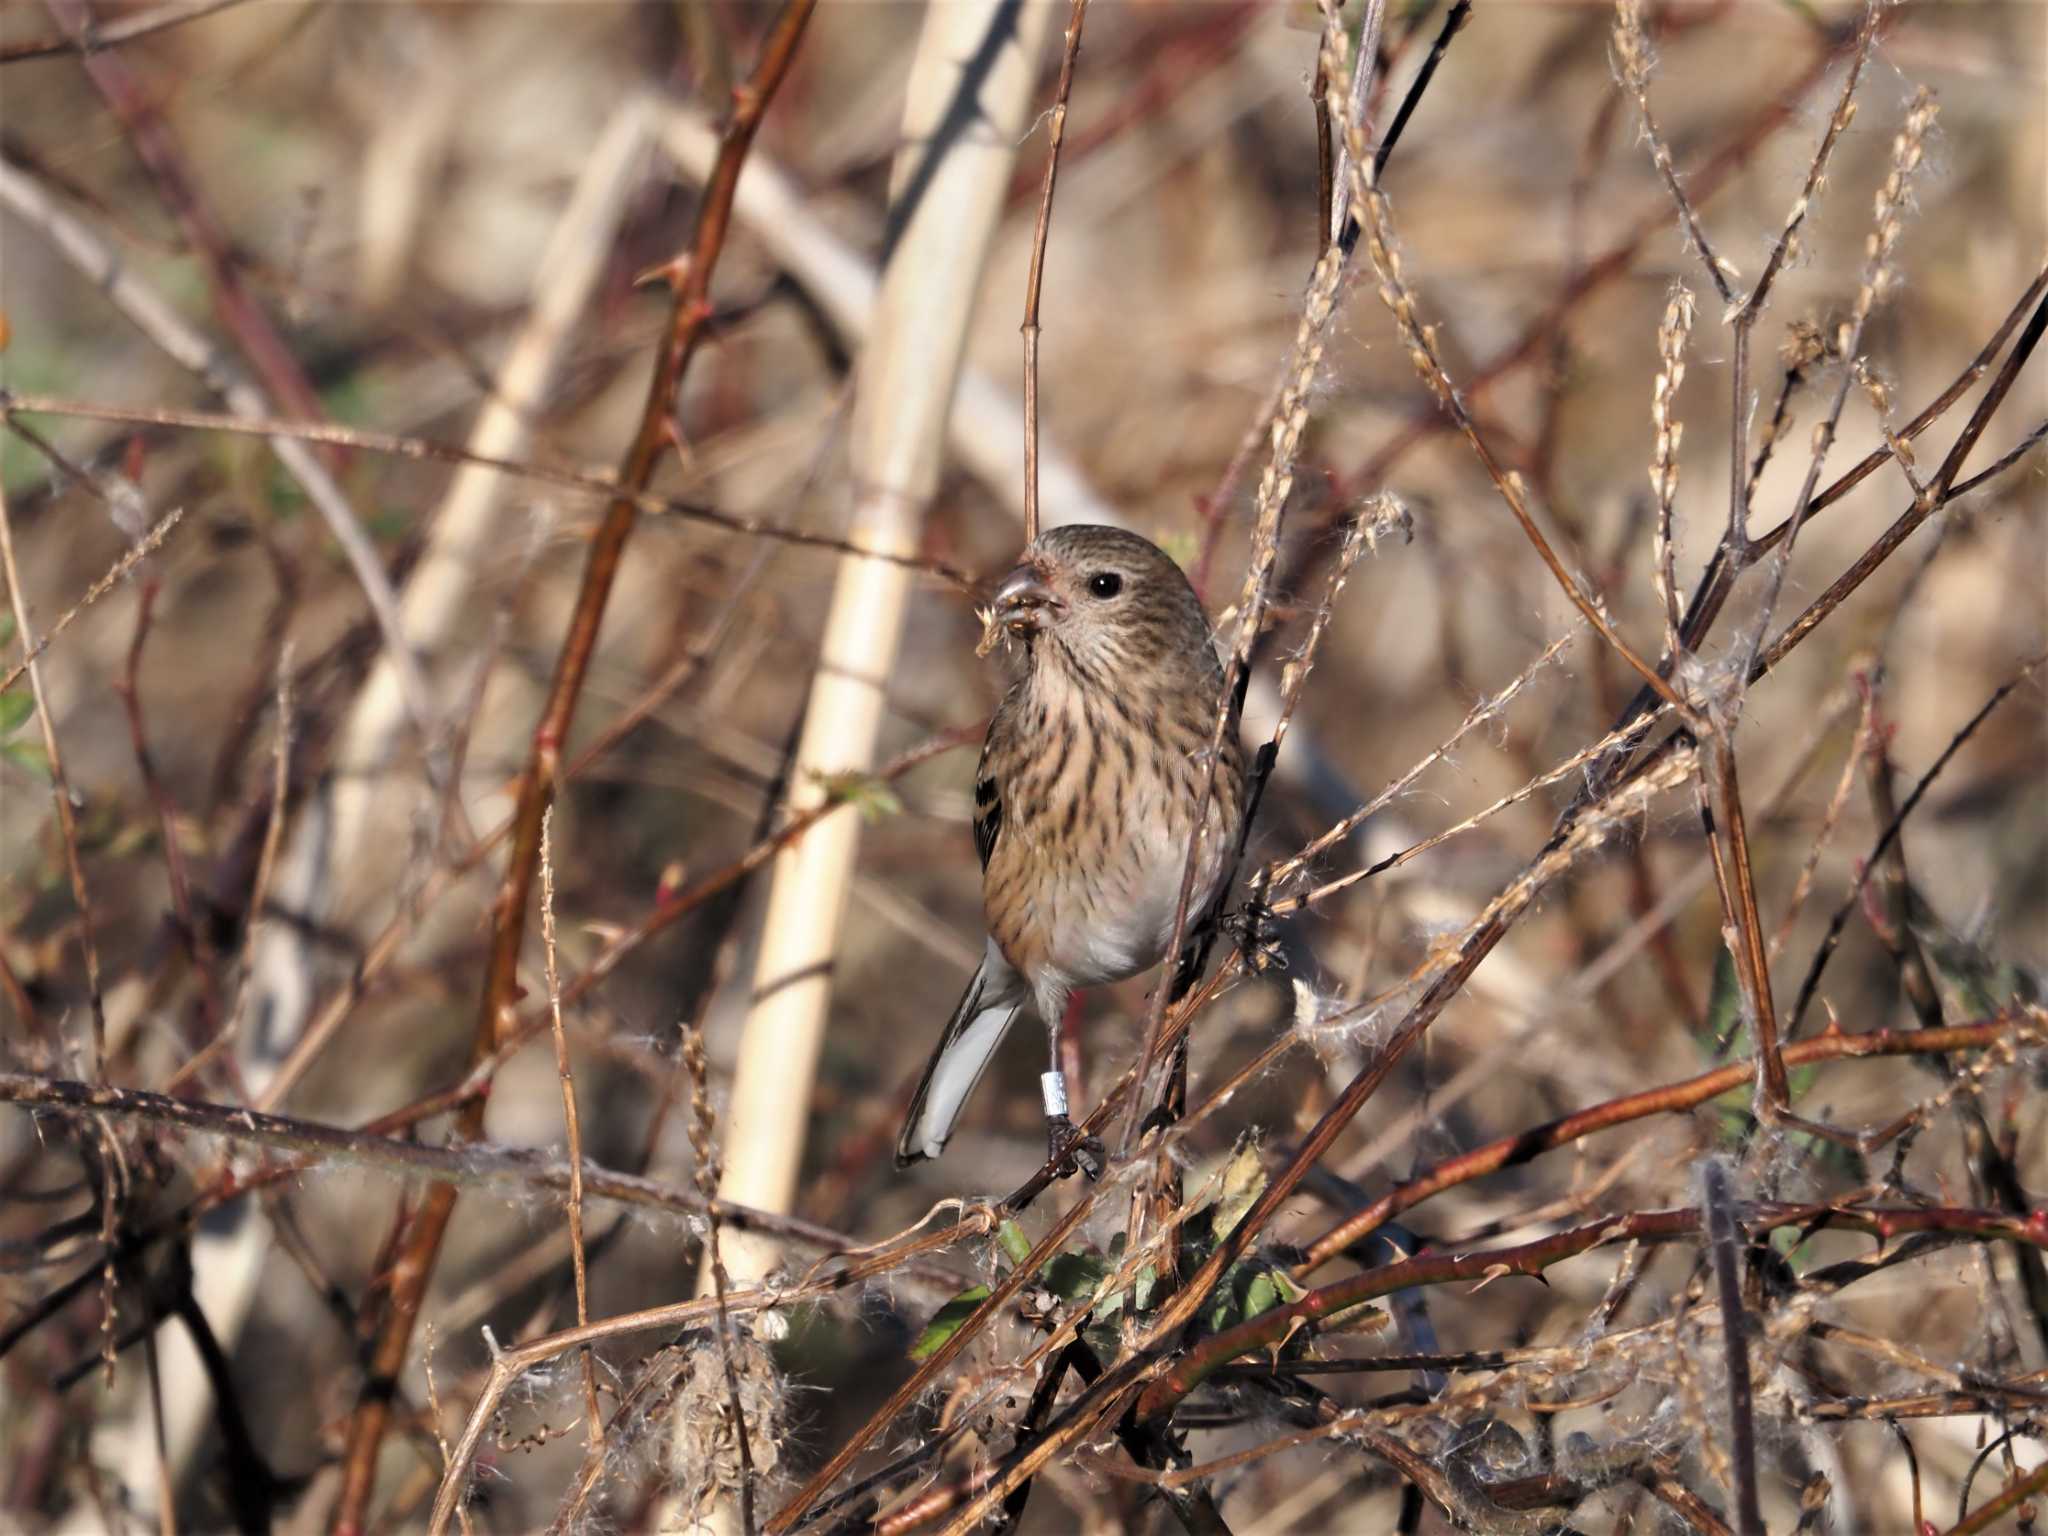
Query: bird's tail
987, 1008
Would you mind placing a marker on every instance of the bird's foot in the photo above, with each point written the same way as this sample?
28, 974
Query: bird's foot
1069, 1150
1252, 928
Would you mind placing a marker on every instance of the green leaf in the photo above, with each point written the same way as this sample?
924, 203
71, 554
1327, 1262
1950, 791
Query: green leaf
28, 755
6, 627
1011, 1239
1226, 1306
16, 705
1075, 1277
1262, 1295
947, 1322
867, 794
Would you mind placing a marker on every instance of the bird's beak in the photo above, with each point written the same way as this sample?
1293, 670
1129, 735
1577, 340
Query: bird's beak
1024, 602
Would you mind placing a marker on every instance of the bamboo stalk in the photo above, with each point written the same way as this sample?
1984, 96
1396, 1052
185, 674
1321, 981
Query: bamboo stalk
956, 160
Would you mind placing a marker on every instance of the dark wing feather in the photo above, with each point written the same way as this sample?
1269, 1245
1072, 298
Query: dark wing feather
988, 812
988, 788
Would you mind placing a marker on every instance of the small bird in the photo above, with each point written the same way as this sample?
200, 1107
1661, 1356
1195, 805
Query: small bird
1087, 796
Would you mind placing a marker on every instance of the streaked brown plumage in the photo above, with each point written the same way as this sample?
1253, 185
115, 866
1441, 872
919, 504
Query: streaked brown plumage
1085, 799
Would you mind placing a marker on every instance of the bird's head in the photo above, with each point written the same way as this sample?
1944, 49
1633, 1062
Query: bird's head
1100, 601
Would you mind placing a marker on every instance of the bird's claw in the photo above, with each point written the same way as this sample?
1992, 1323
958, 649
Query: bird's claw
1069, 1149
1251, 928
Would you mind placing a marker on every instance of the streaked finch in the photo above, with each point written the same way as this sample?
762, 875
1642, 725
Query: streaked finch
1086, 800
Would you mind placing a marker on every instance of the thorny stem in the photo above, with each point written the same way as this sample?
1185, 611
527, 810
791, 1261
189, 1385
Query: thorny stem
2016, 1493
1671, 1098
690, 277
1200, 1362
1565, 848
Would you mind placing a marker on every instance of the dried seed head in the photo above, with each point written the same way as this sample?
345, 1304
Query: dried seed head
1803, 346
705, 1443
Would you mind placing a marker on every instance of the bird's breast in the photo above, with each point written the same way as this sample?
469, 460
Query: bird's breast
1098, 815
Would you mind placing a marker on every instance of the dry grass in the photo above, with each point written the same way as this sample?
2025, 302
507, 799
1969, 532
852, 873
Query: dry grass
1694, 341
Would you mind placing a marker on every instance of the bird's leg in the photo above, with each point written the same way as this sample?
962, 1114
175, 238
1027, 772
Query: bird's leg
1071, 1061
1252, 928
1065, 1146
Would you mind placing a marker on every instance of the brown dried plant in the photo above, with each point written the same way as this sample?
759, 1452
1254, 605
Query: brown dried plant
1641, 893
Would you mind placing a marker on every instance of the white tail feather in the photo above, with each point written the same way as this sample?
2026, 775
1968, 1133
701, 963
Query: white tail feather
954, 1075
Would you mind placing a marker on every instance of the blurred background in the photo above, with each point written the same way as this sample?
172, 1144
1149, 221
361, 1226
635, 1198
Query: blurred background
384, 188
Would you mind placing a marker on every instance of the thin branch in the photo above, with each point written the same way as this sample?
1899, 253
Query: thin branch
510, 1364
1532, 1258
1724, 1238
572, 1130
1420, 342
937, 1362
1671, 1098
1056, 127
1908, 153
1939, 493
169, 331
2015, 1493
1726, 830
92, 37
1454, 21
138, 552
1890, 835
1632, 56
1289, 424
428, 450
706, 1174
1565, 849
690, 279
1669, 433
478, 1165
60, 790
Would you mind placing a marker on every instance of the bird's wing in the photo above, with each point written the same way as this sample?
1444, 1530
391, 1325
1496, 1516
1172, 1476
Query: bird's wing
988, 817
988, 791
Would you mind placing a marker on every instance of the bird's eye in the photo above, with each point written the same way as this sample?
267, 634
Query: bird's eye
1105, 584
